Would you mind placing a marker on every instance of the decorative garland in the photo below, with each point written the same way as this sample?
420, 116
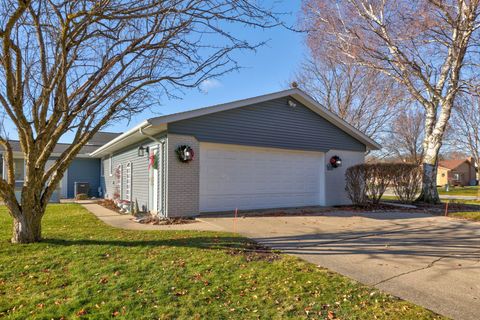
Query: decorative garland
185, 153
153, 161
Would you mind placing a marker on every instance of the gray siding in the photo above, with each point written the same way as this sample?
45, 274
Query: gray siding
269, 124
140, 173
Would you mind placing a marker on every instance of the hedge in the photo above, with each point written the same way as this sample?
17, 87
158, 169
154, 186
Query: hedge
368, 182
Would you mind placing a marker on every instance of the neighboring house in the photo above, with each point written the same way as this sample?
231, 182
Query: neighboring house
460, 172
269, 151
83, 169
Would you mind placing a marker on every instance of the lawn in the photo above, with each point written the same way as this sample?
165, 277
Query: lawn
474, 216
460, 191
85, 269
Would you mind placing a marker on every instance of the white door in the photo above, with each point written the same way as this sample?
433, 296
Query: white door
253, 178
153, 181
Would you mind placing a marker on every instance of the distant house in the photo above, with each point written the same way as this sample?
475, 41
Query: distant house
461, 172
83, 169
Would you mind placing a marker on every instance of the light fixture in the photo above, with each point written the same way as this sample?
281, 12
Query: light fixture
141, 151
292, 103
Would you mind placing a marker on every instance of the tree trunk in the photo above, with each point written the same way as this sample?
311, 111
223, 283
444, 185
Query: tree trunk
27, 228
429, 185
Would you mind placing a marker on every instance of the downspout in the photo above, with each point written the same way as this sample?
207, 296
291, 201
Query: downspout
164, 171
150, 137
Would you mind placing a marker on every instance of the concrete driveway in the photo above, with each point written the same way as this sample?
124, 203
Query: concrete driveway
431, 261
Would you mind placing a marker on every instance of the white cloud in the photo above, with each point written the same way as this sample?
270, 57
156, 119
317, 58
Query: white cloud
209, 84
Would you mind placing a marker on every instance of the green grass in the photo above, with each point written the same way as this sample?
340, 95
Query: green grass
460, 191
85, 269
474, 216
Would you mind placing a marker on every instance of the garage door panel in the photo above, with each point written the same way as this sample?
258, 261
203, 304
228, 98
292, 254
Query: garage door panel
250, 177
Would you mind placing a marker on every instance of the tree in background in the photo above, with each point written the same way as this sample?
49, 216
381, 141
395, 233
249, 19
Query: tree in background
466, 127
426, 46
362, 97
74, 66
405, 139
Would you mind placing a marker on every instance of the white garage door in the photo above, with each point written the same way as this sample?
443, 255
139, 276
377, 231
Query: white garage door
254, 178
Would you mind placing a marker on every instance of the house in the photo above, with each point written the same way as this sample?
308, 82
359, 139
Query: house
460, 172
276, 150
83, 169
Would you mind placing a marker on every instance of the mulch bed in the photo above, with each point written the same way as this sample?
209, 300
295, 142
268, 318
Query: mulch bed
109, 204
164, 221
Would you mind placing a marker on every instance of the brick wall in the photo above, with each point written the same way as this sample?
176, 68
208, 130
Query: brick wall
183, 179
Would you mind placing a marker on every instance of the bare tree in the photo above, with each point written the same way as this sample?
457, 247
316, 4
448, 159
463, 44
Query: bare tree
427, 46
73, 66
362, 97
466, 127
405, 139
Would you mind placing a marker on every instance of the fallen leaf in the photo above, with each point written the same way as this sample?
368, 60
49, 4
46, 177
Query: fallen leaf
82, 312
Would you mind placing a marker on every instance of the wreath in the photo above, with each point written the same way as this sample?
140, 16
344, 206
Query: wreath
335, 161
185, 153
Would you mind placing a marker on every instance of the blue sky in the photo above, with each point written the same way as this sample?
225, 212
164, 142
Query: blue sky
268, 70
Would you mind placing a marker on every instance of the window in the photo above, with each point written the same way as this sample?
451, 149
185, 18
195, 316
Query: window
110, 165
456, 176
19, 169
102, 167
1, 166
128, 182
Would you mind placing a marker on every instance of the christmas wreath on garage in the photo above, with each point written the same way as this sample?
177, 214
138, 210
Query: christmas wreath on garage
185, 153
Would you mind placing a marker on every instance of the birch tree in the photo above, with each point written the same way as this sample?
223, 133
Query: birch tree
427, 46
74, 66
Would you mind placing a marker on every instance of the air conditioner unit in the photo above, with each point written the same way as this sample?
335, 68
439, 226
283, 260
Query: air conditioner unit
81, 187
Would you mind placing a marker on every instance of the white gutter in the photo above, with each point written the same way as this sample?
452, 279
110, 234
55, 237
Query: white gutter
150, 137
145, 124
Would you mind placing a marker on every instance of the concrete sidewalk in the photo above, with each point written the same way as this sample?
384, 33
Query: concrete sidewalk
121, 221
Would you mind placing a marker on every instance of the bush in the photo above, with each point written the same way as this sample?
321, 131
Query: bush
368, 182
355, 184
406, 181
81, 196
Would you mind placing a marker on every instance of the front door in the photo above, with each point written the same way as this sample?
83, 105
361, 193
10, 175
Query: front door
153, 166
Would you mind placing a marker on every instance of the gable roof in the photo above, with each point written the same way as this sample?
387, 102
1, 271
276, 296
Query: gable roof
158, 124
452, 164
98, 140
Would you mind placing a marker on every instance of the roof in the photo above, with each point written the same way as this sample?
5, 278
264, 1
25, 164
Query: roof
159, 124
98, 140
452, 164
102, 137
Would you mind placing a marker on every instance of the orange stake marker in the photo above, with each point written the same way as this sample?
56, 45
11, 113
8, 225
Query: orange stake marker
446, 209
235, 221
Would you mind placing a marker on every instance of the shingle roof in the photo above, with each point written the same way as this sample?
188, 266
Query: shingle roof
96, 142
101, 138
452, 164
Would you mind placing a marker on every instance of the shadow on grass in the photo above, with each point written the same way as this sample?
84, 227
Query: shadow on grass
197, 242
